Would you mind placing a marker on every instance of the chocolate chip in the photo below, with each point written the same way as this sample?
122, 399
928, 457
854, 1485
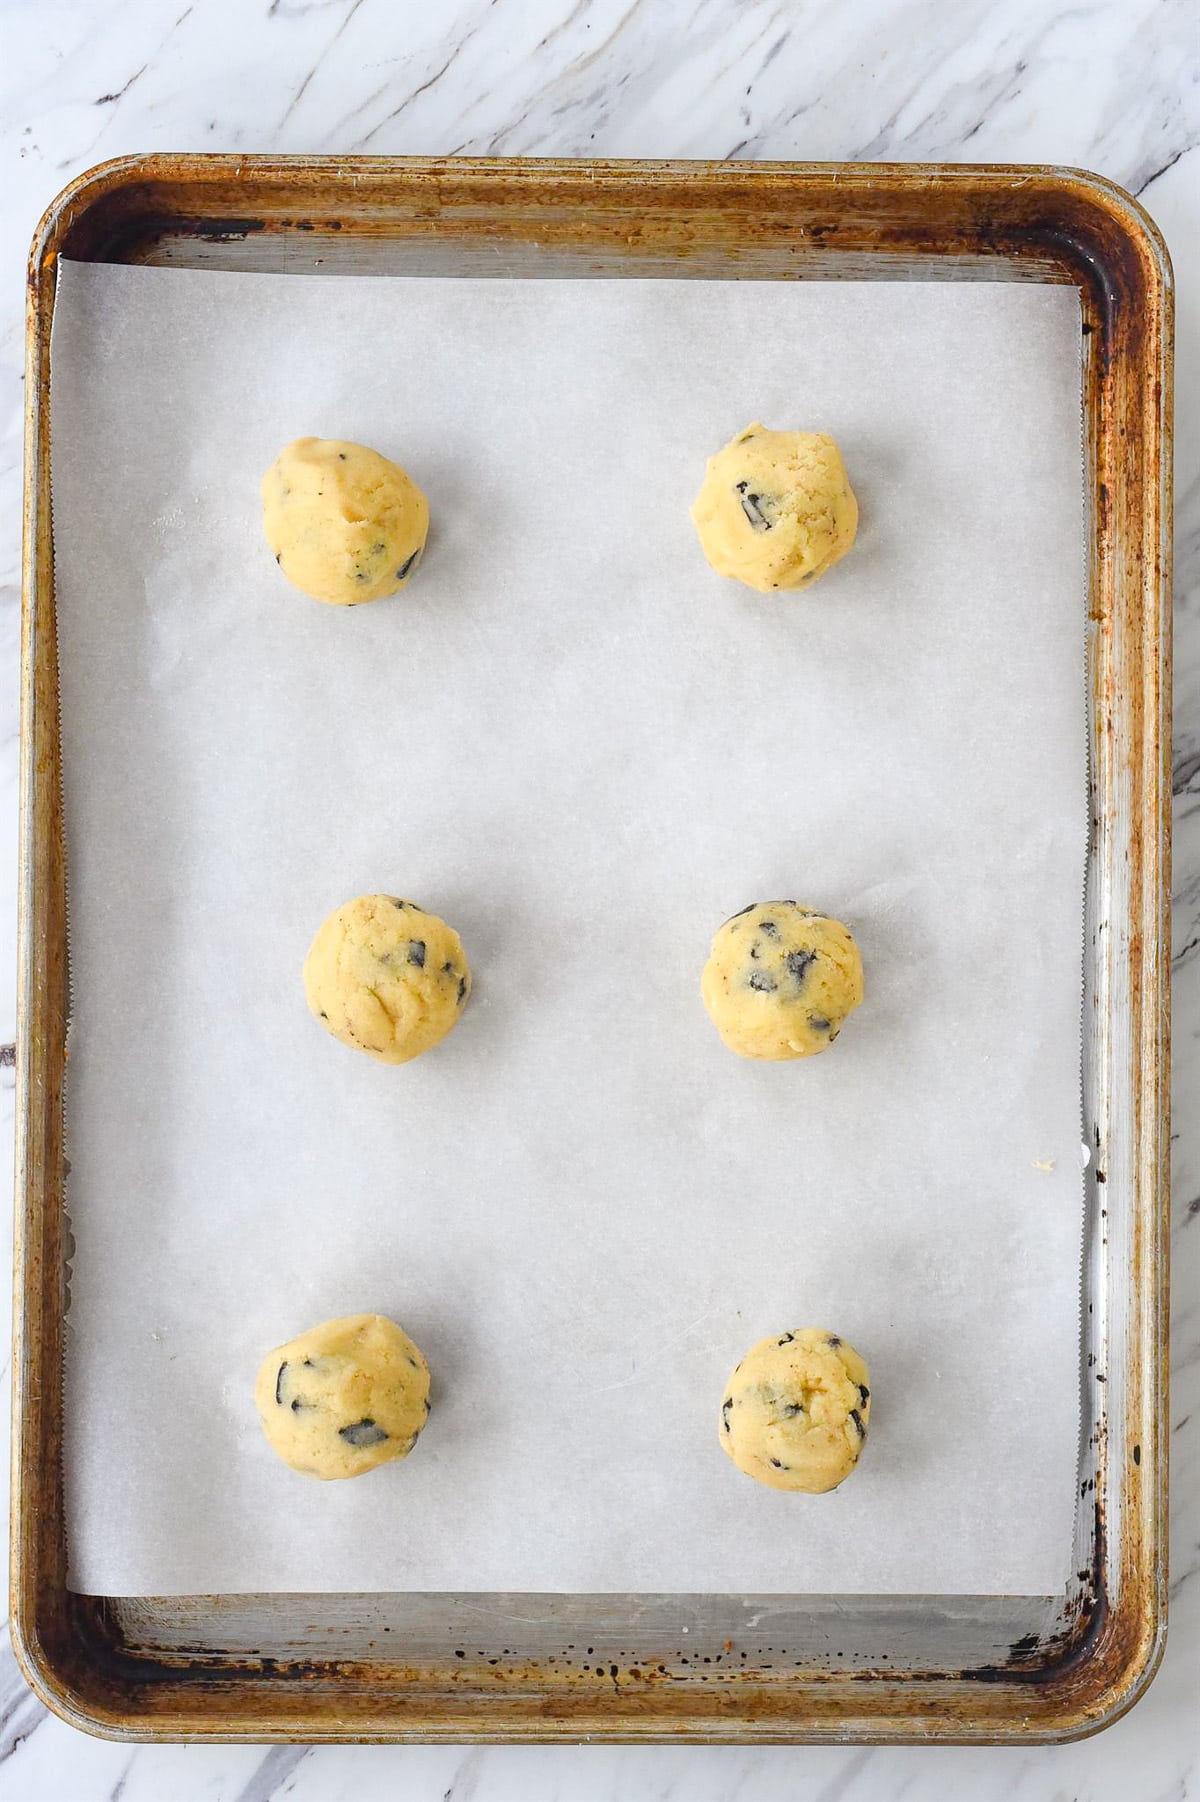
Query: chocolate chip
279, 1384
341, 454
864, 1392
324, 1015
819, 1023
775, 1464
362, 1433
726, 1405
764, 983
447, 969
297, 1405
308, 1364
752, 507
279, 557
416, 953
754, 951
799, 963
378, 550
462, 990
856, 1417
768, 928
407, 565
741, 910
396, 903
786, 1340
834, 1341
791, 1409
426, 1404
413, 1362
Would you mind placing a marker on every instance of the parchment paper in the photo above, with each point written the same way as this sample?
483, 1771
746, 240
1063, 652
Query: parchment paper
585, 750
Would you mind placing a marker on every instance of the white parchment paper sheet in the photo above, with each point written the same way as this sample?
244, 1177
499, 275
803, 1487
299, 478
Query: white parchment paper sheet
585, 750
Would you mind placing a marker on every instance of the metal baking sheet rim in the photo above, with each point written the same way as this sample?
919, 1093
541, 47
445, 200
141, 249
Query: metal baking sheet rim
717, 1669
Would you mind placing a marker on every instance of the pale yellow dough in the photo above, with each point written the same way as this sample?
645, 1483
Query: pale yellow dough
345, 525
776, 509
781, 979
387, 978
343, 1397
796, 1410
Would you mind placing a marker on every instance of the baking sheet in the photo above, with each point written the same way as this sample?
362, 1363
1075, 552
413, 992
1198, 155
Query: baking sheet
585, 750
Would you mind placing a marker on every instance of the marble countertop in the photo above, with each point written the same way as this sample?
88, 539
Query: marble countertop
1111, 85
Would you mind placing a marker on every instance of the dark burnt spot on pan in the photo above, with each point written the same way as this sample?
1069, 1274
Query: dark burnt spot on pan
416, 953
362, 1433
279, 1384
763, 982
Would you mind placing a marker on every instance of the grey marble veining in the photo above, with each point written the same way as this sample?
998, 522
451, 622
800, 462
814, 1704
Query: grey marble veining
1112, 85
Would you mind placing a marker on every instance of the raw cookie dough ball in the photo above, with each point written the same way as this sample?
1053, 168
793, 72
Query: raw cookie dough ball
796, 1410
387, 978
345, 524
776, 509
781, 979
344, 1397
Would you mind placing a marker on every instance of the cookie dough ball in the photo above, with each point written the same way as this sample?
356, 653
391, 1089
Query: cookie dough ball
781, 979
796, 1410
776, 509
387, 978
344, 1397
345, 524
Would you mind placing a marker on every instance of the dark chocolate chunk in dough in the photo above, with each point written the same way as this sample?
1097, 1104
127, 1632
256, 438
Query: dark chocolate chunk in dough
279, 1384
752, 507
799, 963
761, 981
408, 564
416, 952
362, 1433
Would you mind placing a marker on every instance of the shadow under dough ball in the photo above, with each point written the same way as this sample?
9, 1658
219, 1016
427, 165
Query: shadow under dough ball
781, 980
344, 1397
387, 978
776, 509
343, 523
796, 1410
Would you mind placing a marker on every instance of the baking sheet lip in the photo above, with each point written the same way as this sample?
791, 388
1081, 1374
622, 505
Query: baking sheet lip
1148, 1552
126, 171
